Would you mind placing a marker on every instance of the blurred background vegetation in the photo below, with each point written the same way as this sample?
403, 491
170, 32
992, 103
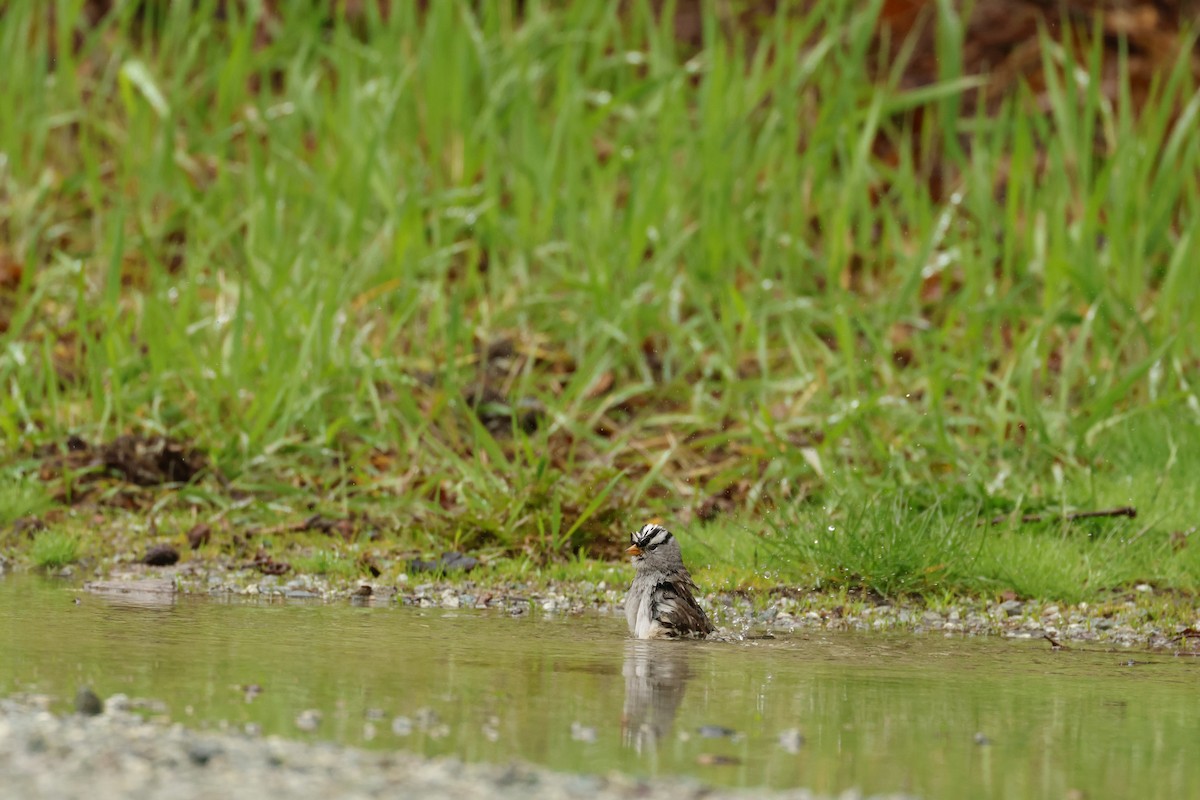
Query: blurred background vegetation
879, 294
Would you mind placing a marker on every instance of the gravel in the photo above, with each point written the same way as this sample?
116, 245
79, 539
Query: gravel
117, 754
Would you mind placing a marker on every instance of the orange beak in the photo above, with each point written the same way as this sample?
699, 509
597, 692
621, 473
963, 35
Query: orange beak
633, 550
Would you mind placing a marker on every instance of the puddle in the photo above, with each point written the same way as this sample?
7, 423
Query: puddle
933, 716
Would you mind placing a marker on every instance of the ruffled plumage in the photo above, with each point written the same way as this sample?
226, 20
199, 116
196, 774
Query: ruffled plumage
660, 603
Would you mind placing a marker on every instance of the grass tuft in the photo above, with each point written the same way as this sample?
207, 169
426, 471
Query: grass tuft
54, 549
22, 497
327, 562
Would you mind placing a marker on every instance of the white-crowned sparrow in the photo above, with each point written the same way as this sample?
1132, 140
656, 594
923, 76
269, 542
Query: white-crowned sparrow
660, 603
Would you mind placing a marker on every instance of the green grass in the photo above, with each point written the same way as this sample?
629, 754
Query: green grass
53, 549
22, 496
327, 562
728, 276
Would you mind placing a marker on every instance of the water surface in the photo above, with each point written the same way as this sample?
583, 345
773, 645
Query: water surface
934, 716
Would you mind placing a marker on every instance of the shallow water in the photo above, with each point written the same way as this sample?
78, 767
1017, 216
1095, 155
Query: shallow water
929, 715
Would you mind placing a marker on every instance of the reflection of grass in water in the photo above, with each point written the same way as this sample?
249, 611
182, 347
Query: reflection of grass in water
704, 269
53, 549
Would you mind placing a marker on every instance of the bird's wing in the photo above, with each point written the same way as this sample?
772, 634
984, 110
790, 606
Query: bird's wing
672, 605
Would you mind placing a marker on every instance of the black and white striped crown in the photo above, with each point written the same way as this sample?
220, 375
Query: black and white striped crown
651, 536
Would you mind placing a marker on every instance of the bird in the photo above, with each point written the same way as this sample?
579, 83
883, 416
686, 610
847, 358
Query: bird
660, 604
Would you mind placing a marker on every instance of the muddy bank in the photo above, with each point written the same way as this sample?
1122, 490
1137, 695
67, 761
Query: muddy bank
116, 754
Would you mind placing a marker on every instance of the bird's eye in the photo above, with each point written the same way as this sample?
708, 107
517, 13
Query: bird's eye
652, 547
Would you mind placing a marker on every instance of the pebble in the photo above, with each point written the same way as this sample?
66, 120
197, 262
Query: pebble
1012, 608
117, 702
87, 702
202, 751
308, 720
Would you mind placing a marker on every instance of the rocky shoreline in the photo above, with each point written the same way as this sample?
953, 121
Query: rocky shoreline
1144, 620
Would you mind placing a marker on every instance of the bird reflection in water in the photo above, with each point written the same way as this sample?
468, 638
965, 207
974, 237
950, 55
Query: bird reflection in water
656, 675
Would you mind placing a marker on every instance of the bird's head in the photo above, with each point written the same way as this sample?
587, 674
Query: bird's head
653, 547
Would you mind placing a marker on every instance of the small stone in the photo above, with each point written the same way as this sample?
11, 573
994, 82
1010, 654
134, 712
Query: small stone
1012, 608
1144, 587
402, 726
161, 555
201, 752
1104, 623
117, 703
308, 720
88, 702
982, 740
